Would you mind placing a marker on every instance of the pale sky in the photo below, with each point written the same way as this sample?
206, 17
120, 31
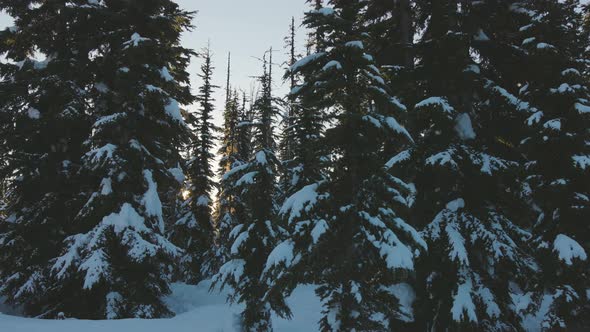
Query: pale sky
244, 28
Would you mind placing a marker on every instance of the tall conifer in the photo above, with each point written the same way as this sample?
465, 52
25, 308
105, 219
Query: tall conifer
43, 124
256, 233
345, 231
558, 159
196, 225
116, 260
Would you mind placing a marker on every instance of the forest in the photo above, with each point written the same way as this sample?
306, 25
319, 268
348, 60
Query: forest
428, 169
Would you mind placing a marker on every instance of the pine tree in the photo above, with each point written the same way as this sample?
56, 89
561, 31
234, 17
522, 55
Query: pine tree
116, 264
255, 183
195, 228
558, 160
43, 123
230, 208
306, 124
287, 142
465, 169
345, 231
234, 152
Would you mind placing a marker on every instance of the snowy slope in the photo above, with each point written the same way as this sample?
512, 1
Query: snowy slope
196, 309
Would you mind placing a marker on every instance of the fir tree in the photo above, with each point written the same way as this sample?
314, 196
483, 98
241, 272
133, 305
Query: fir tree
256, 232
43, 122
195, 228
234, 152
288, 136
306, 124
116, 261
346, 233
465, 173
237, 149
558, 160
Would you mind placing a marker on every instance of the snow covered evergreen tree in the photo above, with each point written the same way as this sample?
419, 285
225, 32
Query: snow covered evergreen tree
194, 231
464, 170
287, 142
478, 230
256, 233
235, 152
346, 233
43, 123
116, 263
306, 123
558, 168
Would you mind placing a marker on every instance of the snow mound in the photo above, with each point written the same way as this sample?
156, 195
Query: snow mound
196, 310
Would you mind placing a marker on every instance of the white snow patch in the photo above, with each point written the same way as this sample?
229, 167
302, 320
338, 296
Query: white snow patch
472, 69
240, 239
135, 40
33, 113
355, 44
106, 187
528, 40
302, 200
456, 205
332, 65
126, 218
96, 267
101, 87
173, 110
406, 296
582, 162
326, 11
196, 309
535, 118
178, 174
165, 74
464, 127
545, 46
114, 301
283, 253
106, 151
400, 157
151, 200
568, 249
305, 61
247, 178
437, 101
457, 244
463, 303
554, 124
442, 158
108, 118
261, 158
320, 228
581, 108
203, 200
481, 36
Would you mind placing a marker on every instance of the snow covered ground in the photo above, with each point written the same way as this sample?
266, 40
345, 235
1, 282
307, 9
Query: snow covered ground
196, 310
